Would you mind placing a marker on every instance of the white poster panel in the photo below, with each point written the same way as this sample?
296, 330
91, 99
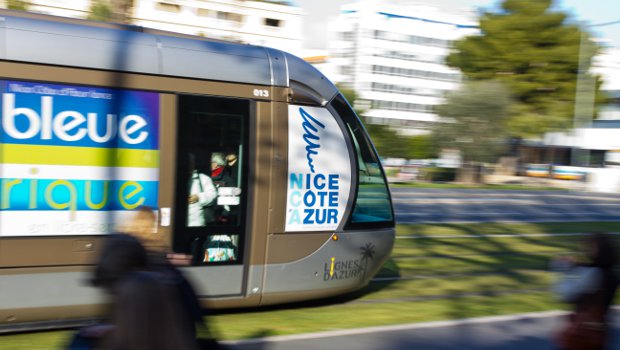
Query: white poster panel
319, 170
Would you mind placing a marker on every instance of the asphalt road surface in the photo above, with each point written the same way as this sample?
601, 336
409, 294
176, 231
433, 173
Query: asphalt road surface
464, 205
523, 332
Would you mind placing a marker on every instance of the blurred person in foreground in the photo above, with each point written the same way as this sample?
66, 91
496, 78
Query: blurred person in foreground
590, 286
143, 226
123, 256
147, 316
146, 312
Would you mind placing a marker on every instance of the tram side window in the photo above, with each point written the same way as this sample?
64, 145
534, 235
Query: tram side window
372, 203
211, 184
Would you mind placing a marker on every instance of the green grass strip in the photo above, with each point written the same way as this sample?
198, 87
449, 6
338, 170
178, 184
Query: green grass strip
35, 341
450, 285
476, 229
330, 317
463, 265
347, 316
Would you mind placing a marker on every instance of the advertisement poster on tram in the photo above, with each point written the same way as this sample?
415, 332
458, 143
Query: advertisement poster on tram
75, 160
319, 171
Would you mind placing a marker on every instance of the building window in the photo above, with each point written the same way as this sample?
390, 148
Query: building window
411, 57
229, 16
401, 106
415, 73
205, 12
272, 22
348, 36
405, 90
168, 7
412, 39
346, 70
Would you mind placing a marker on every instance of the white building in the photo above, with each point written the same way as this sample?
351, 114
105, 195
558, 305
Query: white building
267, 23
607, 65
275, 23
394, 57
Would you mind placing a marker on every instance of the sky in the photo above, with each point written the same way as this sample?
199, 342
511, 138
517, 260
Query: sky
590, 12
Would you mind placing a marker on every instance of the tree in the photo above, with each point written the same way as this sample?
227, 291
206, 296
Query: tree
389, 143
122, 10
351, 96
111, 10
100, 11
421, 147
474, 121
536, 54
18, 5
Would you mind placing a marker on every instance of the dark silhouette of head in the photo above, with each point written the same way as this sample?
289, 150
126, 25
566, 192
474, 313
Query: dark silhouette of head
600, 250
147, 315
121, 254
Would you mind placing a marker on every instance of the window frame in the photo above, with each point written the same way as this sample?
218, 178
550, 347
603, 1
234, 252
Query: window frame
183, 234
347, 120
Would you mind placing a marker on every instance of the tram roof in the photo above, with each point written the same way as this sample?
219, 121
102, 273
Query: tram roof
52, 40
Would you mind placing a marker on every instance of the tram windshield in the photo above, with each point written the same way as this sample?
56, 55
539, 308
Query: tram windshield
372, 201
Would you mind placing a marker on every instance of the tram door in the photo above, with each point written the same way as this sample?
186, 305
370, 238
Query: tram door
211, 191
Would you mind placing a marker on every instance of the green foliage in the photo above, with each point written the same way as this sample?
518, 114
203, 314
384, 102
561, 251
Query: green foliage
351, 96
387, 142
100, 11
18, 5
536, 54
474, 121
421, 147
391, 144
122, 10
111, 10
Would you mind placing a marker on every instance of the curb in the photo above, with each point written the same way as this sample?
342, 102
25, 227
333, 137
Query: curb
410, 326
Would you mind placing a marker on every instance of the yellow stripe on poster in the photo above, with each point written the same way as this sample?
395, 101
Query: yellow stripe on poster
86, 156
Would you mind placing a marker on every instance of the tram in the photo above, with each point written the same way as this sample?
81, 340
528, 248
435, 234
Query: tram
102, 120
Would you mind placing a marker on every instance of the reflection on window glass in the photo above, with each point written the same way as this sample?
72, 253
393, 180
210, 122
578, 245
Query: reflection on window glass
372, 203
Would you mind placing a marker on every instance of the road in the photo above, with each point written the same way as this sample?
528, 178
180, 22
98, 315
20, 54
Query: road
528, 331
464, 205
